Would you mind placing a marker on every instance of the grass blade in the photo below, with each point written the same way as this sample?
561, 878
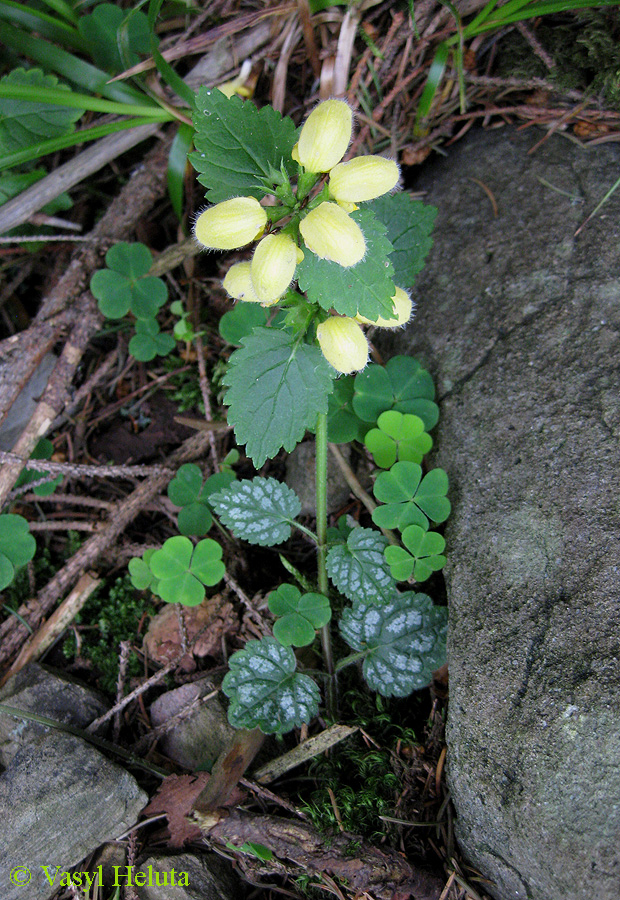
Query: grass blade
177, 165
82, 101
435, 74
43, 24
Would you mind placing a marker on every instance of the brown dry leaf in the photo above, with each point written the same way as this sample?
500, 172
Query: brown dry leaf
413, 156
205, 625
175, 798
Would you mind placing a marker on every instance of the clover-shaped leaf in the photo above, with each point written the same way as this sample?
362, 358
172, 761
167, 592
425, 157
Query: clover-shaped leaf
266, 692
125, 286
300, 615
410, 499
259, 510
343, 425
17, 546
404, 642
358, 568
398, 436
401, 384
140, 572
182, 570
188, 491
147, 342
424, 556
107, 27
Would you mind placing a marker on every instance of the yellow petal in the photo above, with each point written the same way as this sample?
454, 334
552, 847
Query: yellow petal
403, 308
325, 136
343, 344
273, 266
362, 178
230, 224
238, 283
332, 234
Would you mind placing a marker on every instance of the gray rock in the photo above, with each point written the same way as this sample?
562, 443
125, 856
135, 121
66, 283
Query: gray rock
519, 322
59, 800
22, 410
39, 690
207, 877
199, 728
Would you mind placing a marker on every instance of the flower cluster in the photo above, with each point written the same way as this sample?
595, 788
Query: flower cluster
325, 226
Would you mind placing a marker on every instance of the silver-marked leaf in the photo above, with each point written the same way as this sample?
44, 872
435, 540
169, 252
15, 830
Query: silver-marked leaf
259, 510
266, 692
277, 386
358, 568
405, 641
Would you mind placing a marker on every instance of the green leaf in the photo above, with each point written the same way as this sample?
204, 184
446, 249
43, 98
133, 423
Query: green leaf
125, 285
366, 288
260, 510
410, 499
402, 385
24, 122
239, 321
278, 386
195, 518
404, 642
186, 485
398, 436
266, 692
424, 556
238, 145
43, 450
177, 166
140, 574
207, 563
409, 226
343, 425
358, 568
182, 570
300, 615
17, 546
147, 343
108, 31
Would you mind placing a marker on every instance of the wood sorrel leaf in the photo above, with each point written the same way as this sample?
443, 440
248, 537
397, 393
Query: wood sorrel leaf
405, 641
277, 387
239, 146
266, 692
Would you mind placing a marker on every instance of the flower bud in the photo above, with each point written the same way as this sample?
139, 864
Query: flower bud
403, 308
362, 178
238, 283
332, 234
273, 266
230, 224
325, 136
343, 344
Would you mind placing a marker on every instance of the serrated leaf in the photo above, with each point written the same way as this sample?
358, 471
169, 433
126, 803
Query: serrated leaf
266, 692
409, 226
277, 387
405, 642
260, 510
25, 122
238, 145
366, 288
358, 568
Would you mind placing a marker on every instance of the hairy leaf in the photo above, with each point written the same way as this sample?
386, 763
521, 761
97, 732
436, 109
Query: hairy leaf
409, 226
277, 388
238, 145
405, 641
266, 692
260, 510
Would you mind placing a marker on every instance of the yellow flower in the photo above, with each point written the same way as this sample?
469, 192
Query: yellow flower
273, 266
362, 178
238, 283
403, 308
325, 136
330, 233
230, 224
343, 344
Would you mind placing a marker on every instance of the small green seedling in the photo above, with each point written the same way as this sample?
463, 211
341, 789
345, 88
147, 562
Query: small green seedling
409, 498
17, 546
301, 615
189, 491
422, 557
148, 342
183, 329
398, 436
179, 571
125, 285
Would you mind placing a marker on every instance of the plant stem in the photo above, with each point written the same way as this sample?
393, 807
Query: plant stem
321, 531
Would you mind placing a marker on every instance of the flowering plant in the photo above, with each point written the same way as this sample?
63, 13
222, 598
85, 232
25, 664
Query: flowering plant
335, 251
